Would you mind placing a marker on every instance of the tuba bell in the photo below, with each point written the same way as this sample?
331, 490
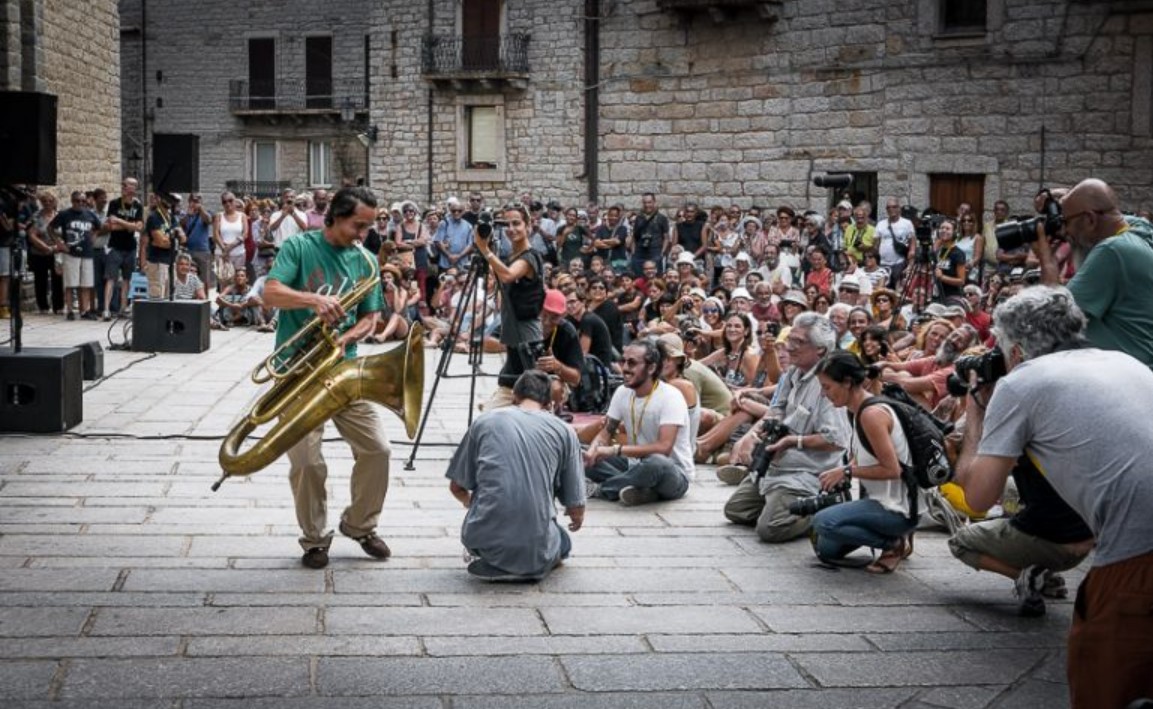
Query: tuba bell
312, 382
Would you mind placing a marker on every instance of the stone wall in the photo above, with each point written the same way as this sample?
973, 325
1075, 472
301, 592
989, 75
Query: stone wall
71, 50
746, 109
750, 109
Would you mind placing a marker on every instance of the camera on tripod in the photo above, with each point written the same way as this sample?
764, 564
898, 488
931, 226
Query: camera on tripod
1013, 235
771, 431
485, 223
927, 226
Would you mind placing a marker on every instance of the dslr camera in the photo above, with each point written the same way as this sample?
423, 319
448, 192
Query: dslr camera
989, 366
770, 432
485, 222
808, 506
1013, 235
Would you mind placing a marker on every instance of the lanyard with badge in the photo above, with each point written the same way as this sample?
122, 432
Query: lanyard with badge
633, 419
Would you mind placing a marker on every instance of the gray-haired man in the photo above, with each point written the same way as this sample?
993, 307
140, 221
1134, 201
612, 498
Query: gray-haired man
819, 435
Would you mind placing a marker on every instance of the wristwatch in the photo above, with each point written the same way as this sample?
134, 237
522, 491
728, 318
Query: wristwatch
848, 472
800, 442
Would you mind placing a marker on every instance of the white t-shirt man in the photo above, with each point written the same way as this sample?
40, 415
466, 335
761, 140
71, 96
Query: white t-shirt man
288, 227
664, 406
891, 252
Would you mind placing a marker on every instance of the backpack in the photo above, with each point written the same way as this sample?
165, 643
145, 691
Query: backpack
926, 437
596, 388
527, 294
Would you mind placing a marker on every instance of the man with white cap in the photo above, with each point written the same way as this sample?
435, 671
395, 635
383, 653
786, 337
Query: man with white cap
454, 237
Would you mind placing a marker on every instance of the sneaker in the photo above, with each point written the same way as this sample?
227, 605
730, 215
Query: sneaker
372, 545
315, 558
70, 316
1028, 587
486, 571
632, 496
592, 489
107, 315
732, 474
90, 315
1055, 587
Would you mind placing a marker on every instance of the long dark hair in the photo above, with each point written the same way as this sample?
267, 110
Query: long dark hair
748, 332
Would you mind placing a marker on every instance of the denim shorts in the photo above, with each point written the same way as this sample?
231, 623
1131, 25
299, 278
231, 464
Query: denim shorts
119, 262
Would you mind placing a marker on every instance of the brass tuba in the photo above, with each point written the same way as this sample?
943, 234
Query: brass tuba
312, 382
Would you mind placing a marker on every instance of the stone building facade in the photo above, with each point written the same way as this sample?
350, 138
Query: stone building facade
70, 50
935, 101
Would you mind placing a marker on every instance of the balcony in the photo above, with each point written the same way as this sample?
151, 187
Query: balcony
725, 10
476, 63
296, 96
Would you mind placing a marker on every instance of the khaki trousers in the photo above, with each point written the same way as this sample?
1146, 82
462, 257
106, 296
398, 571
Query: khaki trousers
157, 279
362, 429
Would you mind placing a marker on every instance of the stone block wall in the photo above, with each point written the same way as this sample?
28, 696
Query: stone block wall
750, 110
71, 50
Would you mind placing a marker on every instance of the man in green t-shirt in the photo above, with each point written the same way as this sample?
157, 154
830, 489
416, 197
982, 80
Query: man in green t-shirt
312, 271
1113, 285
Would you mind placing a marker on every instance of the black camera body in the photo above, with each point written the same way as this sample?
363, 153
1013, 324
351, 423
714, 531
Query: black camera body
923, 232
771, 432
530, 352
989, 366
809, 506
485, 222
1013, 235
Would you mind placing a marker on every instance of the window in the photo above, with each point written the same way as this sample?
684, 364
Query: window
480, 138
482, 134
261, 73
264, 162
963, 16
319, 164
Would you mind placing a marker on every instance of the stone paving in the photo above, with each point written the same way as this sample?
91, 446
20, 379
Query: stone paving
125, 582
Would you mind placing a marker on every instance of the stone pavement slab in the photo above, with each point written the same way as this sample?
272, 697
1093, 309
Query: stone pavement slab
125, 582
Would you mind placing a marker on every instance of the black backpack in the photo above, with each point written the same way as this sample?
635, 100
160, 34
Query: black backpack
926, 437
596, 387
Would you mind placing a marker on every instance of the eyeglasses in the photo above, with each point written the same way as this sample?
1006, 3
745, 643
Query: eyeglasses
1068, 218
710, 311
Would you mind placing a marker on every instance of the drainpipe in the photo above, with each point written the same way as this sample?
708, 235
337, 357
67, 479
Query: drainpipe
431, 10
592, 97
145, 162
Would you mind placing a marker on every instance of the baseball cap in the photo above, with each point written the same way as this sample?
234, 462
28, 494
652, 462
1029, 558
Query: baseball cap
674, 343
554, 302
845, 204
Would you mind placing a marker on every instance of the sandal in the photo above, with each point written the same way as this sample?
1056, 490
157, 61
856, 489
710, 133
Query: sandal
908, 546
888, 562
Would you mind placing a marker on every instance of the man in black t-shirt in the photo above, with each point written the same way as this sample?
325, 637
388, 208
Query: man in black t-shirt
1045, 534
610, 237
599, 303
594, 334
125, 218
76, 227
563, 357
158, 245
650, 240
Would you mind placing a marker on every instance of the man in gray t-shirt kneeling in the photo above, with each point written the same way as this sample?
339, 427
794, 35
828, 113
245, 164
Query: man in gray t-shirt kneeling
511, 464
1081, 415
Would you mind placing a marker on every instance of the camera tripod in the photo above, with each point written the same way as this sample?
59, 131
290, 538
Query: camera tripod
477, 281
15, 276
920, 281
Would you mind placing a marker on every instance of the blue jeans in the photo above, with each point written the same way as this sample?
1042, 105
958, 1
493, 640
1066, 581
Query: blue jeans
658, 472
843, 528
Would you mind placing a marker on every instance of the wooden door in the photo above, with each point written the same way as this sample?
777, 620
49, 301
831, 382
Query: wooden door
261, 73
948, 191
480, 35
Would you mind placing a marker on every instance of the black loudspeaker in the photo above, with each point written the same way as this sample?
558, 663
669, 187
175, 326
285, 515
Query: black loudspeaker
170, 326
27, 138
176, 160
40, 390
93, 358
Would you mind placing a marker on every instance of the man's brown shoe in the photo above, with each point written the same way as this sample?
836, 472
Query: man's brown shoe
315, 558
371, 544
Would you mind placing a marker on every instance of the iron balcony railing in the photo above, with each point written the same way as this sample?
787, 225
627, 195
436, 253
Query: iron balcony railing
297, 95
260, 189
455, 54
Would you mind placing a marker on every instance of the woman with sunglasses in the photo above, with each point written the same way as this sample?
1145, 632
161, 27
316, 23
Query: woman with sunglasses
749, 404
411, 239
708, 338
950, 269
972, 243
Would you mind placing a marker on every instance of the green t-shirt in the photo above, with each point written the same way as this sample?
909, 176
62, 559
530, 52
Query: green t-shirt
1114, 287
308, 263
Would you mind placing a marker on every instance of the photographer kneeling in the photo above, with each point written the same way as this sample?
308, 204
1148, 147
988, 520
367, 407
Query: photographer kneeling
880, 519
1082, 415
811, 437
